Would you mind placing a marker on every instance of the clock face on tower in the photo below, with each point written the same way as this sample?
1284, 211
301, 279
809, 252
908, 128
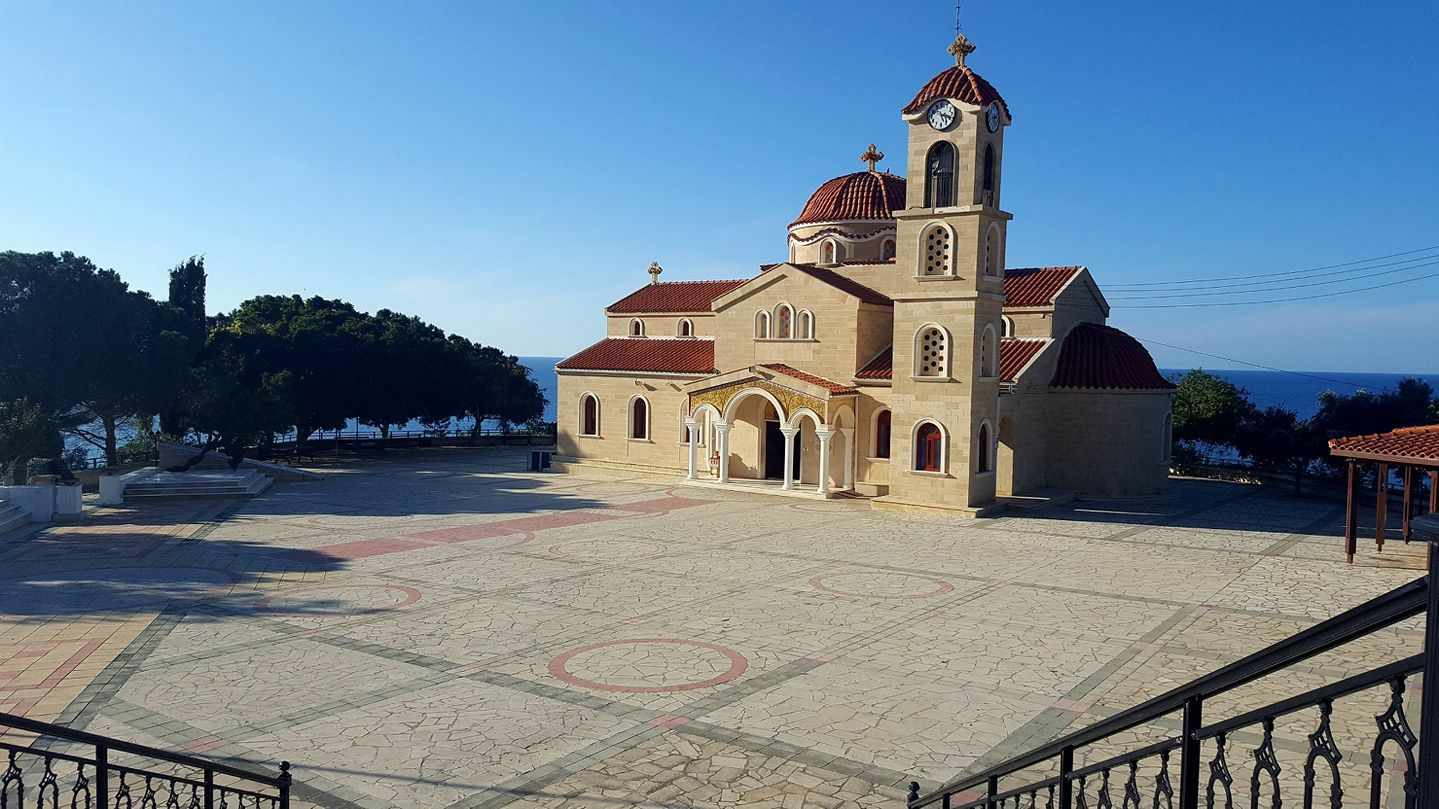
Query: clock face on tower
991, 118
941, 114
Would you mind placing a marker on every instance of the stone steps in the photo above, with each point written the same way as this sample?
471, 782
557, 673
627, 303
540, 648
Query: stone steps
11, 517
166, 485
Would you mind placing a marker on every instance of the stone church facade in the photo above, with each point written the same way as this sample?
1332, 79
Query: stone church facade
892, 355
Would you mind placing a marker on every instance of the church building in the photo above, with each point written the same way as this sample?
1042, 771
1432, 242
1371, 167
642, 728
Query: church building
891, 356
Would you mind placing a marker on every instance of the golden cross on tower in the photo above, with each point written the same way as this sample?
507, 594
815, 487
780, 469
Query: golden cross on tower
961, 48
871, 156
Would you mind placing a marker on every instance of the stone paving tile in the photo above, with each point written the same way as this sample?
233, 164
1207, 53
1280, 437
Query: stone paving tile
1306, 587
470, 631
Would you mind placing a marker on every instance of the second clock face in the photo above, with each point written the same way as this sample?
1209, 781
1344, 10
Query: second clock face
991, 118
941, 114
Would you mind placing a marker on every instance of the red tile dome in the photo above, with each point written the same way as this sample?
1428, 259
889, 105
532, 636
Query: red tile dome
862, 195
960, 83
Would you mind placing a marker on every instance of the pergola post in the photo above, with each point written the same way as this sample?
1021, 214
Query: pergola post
1381, 505
1351, 511
1408, 475
1433, 491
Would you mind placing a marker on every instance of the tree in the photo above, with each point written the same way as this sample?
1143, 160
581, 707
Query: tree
233, 400
187, 292
495, 386
25, 432
1208, 410
1276, 439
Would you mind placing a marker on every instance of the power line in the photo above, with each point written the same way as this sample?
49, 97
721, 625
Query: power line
1355, 273
1199, 294
1261, 366
1279, 274
1279, 300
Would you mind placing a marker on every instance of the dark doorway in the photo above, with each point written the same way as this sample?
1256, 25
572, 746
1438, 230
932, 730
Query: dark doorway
774, 452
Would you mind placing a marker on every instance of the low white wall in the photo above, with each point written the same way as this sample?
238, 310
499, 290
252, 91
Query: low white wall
37, 501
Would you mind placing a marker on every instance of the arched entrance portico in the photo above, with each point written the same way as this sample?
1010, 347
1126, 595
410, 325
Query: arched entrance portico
756, 410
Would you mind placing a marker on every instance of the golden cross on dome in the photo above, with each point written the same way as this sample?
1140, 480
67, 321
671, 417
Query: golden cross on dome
961, 48
871, 156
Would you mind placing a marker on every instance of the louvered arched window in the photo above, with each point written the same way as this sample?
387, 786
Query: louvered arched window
939, 175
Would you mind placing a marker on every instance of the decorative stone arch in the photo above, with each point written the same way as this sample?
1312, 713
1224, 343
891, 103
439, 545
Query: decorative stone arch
936, 250
637, 327
992, 251
796, 419
927, 363
783, 329
805, 329
881, 448
942, 465
632, 420
984, 449
589, 396
843, 420
988, 352
733, 404
685, 328
761, 325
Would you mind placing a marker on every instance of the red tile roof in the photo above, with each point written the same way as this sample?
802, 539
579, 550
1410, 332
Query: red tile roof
881, 367
832, 387
1035, 286
1015, 353
660, 355
1095, 356
840, 282
1404, 444
862, 195
960, 83
673, 296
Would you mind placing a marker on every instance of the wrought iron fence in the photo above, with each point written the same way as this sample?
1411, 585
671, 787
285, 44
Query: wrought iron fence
1166, 772
49, 763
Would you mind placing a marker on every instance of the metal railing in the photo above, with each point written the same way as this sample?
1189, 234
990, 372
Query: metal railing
90, 770
1014, 783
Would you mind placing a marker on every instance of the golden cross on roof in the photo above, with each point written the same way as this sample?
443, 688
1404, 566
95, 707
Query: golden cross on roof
961, 48
871, 156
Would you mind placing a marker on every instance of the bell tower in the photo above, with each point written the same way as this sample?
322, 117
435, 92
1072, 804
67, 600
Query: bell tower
950, 290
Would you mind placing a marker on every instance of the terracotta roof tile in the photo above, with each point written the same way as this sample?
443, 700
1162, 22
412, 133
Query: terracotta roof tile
673, 296
1035, 286
1095, 356
881, 367
1408, 443
1015, 353
666, 355
837, 281
829, 385
862, 195
961, 83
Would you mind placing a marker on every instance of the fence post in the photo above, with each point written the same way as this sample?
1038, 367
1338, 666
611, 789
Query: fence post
1190, 753
1427, 529
1066, 786
209, 789
991, 789
102, 777
284, 785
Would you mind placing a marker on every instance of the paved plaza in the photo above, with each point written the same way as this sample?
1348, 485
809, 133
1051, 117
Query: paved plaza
440, 630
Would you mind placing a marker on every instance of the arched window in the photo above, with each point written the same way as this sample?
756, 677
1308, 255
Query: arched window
991, 251
589, 414
988, 181
686, 328
761, 325
637, 328
983, 450
831, 252
939, 176
639, 418
806, 325
928, 447
936, 243
1007, 326
931, 352
784, 321
988, 353
886, 250
881, 434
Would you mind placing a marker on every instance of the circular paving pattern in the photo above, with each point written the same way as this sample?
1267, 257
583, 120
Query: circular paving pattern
648, 665
881, 584
606, 549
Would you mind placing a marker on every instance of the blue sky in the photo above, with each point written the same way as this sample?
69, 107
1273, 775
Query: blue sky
506, 170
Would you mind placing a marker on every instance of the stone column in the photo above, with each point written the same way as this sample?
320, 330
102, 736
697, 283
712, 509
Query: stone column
722, 438
694, 432
824, 436
849, 457
788, 433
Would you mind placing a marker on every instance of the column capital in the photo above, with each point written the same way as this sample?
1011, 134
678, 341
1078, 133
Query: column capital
721, 427
690, 421
788, 431
824, 434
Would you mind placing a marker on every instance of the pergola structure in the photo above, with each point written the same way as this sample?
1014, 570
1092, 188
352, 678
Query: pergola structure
1409, 449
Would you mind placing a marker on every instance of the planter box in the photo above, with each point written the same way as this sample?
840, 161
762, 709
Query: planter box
38, 501
69, 500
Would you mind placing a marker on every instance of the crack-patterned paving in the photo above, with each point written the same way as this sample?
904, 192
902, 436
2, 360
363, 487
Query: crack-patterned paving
439, 630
